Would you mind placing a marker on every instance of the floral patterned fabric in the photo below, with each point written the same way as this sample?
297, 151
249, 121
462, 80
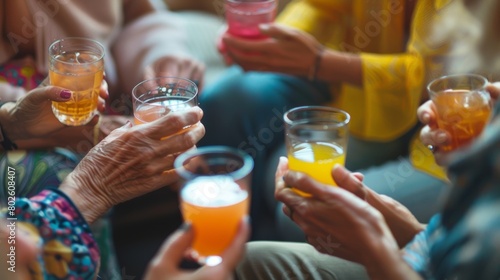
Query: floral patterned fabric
21, 73
69, 250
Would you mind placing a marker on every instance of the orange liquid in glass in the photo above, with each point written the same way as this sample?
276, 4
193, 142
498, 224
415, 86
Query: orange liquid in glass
214, 205
84, 80
463, 122
316, 160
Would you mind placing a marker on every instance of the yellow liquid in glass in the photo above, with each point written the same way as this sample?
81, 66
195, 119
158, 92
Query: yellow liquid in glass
84, 80
316, 160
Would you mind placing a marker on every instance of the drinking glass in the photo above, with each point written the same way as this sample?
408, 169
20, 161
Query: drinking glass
316, 140
463, 107
156, 97
215, 197
244, 16
76, 64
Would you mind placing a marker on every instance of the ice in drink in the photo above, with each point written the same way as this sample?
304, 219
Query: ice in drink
82, 73
214, 205
317, 160
463, 114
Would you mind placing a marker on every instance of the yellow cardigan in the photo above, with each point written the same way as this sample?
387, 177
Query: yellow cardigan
396, 68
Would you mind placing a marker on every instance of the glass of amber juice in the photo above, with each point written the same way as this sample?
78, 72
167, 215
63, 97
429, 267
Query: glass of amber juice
215, 197
316, 140
463, 107
154, 98
76, 64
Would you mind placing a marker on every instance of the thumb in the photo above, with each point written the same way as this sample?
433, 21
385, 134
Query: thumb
174, 248
53, 93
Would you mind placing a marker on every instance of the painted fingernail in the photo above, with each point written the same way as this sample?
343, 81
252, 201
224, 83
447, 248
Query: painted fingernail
66, 94
185, 227
247, 219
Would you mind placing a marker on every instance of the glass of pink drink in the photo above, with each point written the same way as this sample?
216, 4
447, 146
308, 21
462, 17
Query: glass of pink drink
244, 16
154, 98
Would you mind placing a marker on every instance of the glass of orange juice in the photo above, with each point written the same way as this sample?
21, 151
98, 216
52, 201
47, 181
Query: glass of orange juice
76, 64
463, 107
316, 140
154, 98
215, 197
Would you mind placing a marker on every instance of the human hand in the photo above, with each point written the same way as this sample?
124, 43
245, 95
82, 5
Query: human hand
432, 136
165, 265
335, 221
132, 161
31, 116
172, 66
287, 51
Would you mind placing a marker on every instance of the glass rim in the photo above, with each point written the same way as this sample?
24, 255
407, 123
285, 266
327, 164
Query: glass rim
135, 88
232, 5
239, 2
242, 172
97, 44
327, 109
481, 78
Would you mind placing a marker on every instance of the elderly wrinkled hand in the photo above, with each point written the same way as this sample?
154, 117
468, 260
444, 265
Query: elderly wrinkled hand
287, 51
30, 123
132, 161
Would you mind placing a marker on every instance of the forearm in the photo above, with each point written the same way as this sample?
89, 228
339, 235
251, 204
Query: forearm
402, 224
340, 67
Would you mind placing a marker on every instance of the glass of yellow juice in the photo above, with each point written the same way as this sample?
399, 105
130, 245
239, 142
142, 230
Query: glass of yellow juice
316, 140
154, 98
463, 107
214, 198
76, 64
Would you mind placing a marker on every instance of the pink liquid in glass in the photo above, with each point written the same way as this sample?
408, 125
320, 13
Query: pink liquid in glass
244, 16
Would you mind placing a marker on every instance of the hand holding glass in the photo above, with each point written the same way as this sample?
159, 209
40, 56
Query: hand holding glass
316, 140
76, 64
215, 197
463, 107
154, 98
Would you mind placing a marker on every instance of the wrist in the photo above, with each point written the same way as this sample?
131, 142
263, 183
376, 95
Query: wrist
340, 67
90, 204
385, 261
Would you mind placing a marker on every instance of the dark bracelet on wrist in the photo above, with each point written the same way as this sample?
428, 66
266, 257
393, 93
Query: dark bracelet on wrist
315, 67
5, 141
